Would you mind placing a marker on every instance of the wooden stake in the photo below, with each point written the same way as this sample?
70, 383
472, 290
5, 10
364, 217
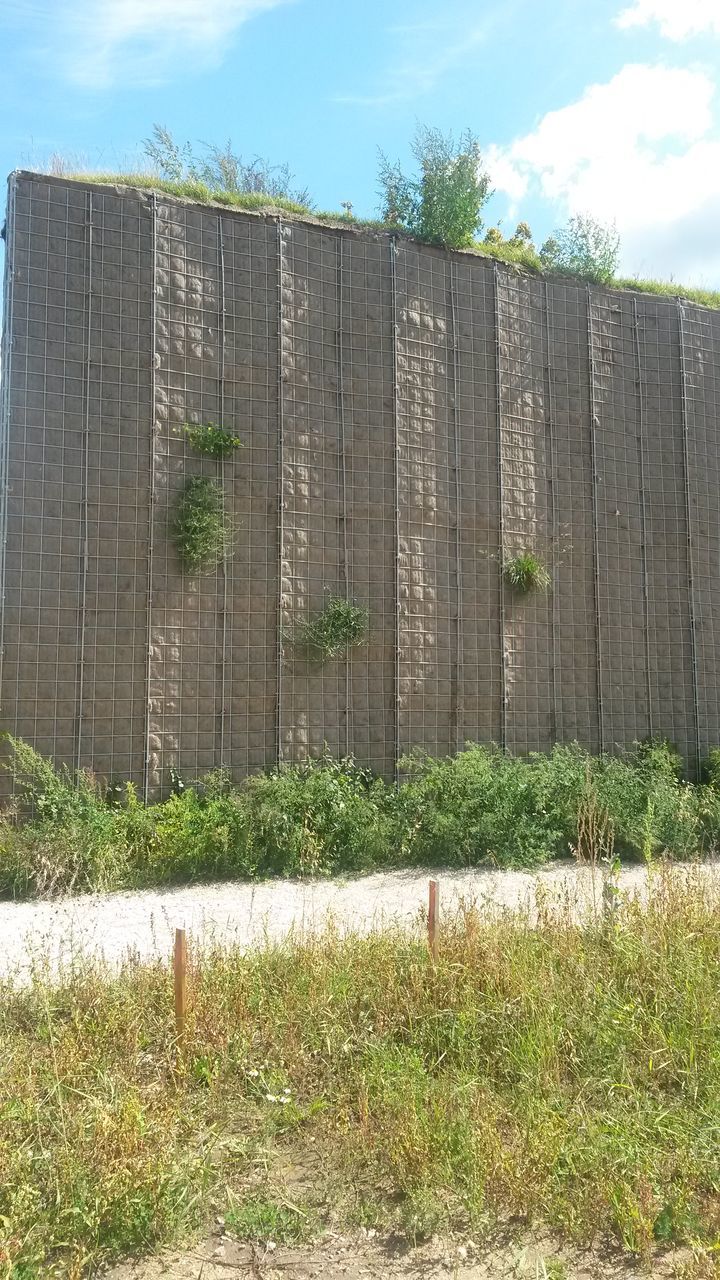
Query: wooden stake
433, 914
180, 969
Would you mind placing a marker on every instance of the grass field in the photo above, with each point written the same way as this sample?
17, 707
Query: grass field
552, 1074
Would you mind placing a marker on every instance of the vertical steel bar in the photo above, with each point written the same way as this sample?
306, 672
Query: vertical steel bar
692, 607
594, 423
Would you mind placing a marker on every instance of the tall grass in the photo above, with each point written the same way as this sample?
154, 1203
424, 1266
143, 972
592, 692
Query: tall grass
477, 808
561, 1075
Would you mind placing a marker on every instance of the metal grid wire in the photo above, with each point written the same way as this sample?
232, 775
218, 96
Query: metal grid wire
700, 369
574, 594
427, 500
409, 418
619, 465
527, 508
668, 577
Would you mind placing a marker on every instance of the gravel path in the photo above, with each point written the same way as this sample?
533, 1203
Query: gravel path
113, 926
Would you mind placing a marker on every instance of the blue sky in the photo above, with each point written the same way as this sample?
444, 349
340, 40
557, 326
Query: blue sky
604, 106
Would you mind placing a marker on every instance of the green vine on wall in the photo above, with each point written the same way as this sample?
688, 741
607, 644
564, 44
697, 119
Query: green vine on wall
341, 625
526, 572
211, 439
199, 525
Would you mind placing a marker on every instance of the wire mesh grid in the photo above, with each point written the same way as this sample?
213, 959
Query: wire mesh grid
700, 351
527, 508
668, 565
409, 418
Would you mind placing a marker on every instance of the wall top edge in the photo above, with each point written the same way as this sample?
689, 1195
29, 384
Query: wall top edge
144, 195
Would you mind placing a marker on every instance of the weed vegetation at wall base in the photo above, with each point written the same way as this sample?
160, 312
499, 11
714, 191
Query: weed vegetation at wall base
198, 526
71, 834
547, 1074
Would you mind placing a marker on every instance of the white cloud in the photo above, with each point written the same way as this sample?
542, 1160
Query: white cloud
643, 151
100, 42
677, 20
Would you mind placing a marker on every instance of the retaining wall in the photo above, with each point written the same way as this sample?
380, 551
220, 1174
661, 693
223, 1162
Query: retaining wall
409, 417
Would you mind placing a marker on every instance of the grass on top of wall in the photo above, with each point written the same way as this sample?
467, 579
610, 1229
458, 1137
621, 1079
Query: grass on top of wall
563, 1076
478, 808
523, 256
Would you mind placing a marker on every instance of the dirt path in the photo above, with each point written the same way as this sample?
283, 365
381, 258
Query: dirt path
526, 1257
112, 926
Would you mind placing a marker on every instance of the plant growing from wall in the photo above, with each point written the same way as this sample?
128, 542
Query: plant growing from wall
526, 572
199, 526
212, 439
341, 625
442, 204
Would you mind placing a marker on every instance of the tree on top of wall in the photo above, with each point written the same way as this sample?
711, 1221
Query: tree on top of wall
443, 202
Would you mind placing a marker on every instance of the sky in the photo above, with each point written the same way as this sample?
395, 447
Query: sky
606, 107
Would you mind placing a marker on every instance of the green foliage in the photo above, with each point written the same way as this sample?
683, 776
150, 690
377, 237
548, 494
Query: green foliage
526, 572
263, 1219
199, 526
212, 439
220, 168
584, 248
442, 204
341, 625
327, 817
71, 842
317, 819
539, 1071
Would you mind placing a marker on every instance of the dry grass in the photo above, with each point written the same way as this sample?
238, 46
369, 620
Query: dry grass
563, 1075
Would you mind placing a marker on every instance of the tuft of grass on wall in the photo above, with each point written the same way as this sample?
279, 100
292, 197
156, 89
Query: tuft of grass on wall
526, 572
339, 626
199, 525
212, 439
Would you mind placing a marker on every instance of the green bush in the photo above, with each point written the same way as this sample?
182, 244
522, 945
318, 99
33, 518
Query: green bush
212, 439
327, 817
317, 819
442, 204
583, 248
341, 625
199, 528
526, 572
